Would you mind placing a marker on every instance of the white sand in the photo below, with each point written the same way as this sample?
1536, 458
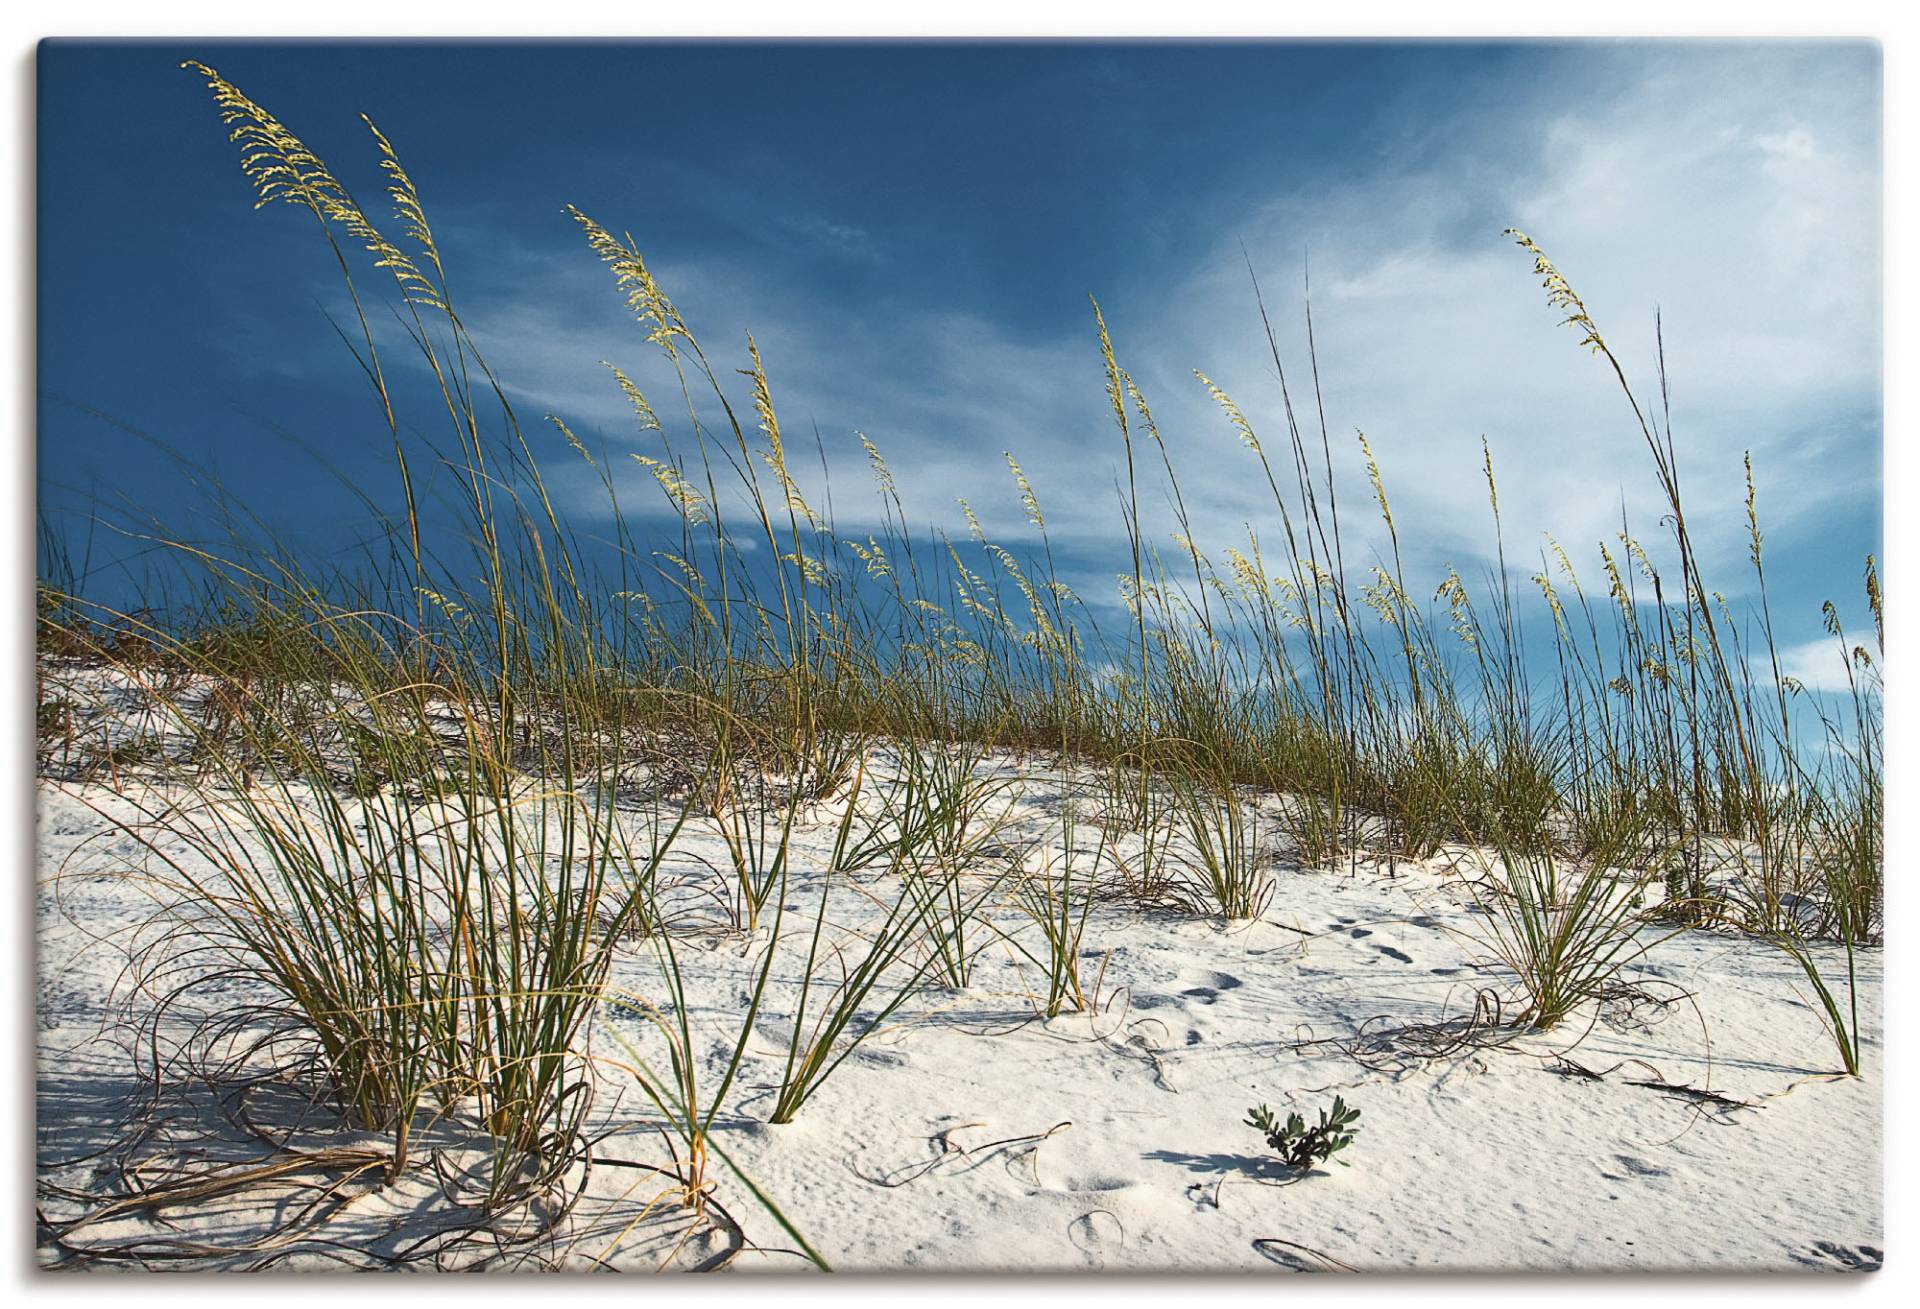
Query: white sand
1127, 1147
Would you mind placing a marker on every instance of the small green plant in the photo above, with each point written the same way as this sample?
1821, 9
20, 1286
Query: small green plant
1301, 1146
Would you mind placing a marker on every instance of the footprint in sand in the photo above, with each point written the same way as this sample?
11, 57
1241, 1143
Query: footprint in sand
1096, 1235
1216, 983
1842, 1258
1635, 1168
1392, 953
1066, 1167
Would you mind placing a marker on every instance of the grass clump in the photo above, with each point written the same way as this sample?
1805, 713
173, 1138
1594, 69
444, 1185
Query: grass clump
1566, 928
1221, 858
1056, 898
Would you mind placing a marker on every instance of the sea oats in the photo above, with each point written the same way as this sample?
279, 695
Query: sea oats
572, 440
645, 300
1028, 500
686, 497
642, 411
1232, 410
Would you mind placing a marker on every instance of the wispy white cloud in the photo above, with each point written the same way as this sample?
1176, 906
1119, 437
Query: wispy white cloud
1735, 190
1737, 196
842, 239
1816, 665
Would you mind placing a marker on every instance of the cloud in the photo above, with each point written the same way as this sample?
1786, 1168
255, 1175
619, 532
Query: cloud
842, 239
1817, 665
1736, 195
1796, 145
1733, 189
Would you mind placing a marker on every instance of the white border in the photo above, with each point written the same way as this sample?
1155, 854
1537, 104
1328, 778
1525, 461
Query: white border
1022, 18
1892, 23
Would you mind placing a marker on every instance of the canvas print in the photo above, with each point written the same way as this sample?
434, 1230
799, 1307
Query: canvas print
976, 656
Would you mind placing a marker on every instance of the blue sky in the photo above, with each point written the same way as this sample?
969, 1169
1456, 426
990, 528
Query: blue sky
911, 233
